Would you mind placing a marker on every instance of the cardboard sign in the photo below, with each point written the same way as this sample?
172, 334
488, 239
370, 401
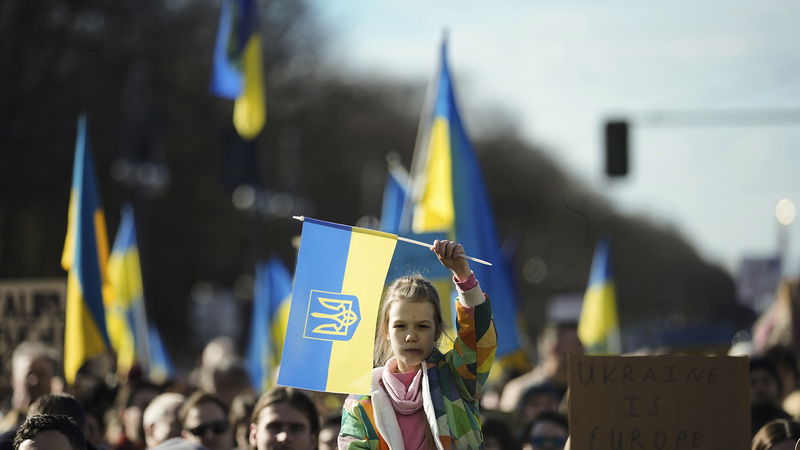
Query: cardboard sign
30, 310
659, 402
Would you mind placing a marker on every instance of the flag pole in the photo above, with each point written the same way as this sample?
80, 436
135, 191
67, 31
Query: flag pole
421, 244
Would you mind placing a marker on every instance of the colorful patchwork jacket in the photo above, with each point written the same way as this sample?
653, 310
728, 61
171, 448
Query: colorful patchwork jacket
451, 388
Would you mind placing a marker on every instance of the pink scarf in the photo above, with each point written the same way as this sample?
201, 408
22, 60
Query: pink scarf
406, 400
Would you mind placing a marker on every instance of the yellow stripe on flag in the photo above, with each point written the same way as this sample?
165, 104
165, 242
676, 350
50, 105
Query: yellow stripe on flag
351, 361
599, 315
435, 210
82, 339
250, 108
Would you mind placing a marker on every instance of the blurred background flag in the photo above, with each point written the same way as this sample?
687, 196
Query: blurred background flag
599, 326
238, 68
272, 298
450, 196
85, 257
126, 317
395, 194
160, 367
338, 284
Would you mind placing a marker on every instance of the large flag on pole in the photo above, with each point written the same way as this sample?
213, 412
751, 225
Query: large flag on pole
273, 289
126, 317
599, 326
238, 68
450, 196
337, 290
85, 257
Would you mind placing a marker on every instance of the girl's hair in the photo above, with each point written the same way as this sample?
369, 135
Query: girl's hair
774, 432
410, 288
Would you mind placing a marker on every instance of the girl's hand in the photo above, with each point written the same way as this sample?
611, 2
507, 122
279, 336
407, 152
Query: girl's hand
451, 255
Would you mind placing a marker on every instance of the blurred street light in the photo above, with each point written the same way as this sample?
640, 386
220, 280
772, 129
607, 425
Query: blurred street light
785, 212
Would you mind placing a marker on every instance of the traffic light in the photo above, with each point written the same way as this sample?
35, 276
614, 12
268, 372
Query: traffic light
616, 140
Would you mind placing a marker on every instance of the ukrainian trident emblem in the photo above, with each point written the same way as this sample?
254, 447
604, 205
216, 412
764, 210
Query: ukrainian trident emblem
332, 316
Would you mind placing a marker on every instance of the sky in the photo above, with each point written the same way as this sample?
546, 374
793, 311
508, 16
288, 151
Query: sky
561, 68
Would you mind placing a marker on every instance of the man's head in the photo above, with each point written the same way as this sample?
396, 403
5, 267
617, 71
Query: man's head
49, 432
539, 398
160, 418
549, 431
204, 419
284, 418
32, 372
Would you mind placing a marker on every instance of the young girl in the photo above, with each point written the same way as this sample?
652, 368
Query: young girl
421, 398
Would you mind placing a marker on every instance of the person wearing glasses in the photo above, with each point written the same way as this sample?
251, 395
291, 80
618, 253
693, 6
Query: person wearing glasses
548, 431
284, 419
204, 419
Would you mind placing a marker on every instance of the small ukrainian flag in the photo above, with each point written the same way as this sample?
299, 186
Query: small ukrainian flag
338, 284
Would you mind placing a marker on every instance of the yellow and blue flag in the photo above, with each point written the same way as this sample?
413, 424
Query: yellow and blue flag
598, 328
452, 198
338, 284
271, 302
85, 257
126, 317
238, 68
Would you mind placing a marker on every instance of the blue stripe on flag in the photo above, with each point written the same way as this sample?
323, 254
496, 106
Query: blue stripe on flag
323, 246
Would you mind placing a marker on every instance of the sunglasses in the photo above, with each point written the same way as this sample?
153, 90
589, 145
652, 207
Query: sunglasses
217, 427
548, 442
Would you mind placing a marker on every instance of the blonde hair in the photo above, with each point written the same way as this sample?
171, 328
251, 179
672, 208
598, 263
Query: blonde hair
413, 289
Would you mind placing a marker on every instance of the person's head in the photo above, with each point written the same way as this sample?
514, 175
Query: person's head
131, 402
229, 378
785, 361
410, 323
51, 432
59, 404
497, 435
33, 368
204, 419
781, 434
539, 398
765, 384
559, 339
284, 418
329, 432
217, 349
549, 431
239, 417
160, 418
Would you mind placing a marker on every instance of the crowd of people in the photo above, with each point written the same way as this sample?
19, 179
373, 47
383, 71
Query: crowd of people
215, 407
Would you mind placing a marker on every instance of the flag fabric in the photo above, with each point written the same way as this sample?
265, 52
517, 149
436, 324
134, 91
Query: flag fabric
237, 72
451, 197
85, 257
160, 366
338, 284
126, 318
395, 194
273, 289
598, 327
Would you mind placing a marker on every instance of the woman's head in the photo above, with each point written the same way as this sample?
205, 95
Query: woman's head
410, 322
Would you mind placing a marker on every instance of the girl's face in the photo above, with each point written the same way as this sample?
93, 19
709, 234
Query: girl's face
412, 332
